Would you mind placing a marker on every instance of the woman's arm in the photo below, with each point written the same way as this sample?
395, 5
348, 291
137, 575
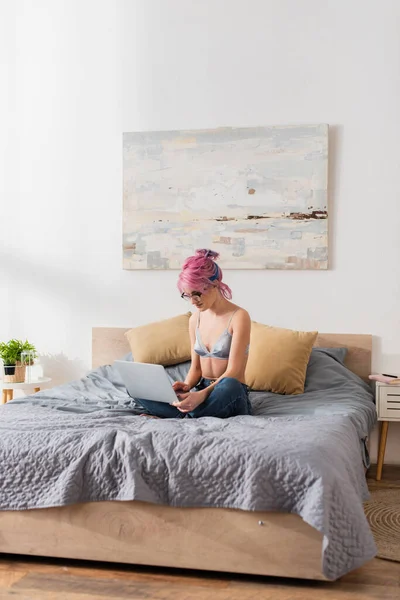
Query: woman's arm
194, 375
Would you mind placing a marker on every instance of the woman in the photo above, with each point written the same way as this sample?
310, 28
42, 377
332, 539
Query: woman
220, 336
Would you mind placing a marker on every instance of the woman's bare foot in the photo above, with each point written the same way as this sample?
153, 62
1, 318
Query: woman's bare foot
149, 416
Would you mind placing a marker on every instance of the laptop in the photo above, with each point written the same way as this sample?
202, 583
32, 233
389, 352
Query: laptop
143, 380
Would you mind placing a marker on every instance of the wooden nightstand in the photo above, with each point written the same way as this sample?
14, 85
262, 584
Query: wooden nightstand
388, 409
32, 386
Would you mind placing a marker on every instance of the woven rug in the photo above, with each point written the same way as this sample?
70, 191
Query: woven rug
383, 514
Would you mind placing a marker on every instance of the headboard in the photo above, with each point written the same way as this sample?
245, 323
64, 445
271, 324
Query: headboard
110, 343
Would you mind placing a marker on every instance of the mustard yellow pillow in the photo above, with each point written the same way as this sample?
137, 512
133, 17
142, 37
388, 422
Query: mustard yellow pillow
163, 343
278, 359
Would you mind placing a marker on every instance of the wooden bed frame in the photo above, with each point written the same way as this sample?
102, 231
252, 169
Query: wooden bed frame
217, 539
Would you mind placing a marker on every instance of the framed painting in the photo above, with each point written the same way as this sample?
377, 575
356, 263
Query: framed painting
256, 195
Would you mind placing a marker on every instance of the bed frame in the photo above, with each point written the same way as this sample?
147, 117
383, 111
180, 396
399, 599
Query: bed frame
216, 539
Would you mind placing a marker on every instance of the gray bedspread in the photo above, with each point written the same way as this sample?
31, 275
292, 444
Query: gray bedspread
84, 442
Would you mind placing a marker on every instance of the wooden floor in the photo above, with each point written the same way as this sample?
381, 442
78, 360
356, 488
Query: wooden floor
34, 579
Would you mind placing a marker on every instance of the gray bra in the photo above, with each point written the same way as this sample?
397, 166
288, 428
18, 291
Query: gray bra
221, 347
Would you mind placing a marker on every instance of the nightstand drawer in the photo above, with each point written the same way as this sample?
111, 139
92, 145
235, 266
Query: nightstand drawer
389, 403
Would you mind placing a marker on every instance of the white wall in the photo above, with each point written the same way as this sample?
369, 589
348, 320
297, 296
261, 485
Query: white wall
88, 70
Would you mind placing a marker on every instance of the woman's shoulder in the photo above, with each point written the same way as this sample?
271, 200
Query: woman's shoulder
240, 314
193, 319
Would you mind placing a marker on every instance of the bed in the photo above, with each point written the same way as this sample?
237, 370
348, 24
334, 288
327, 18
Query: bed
220, 535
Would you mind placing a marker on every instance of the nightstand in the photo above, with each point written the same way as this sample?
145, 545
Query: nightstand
388, 409
32, 386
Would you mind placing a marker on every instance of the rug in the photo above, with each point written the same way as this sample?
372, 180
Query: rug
383, 514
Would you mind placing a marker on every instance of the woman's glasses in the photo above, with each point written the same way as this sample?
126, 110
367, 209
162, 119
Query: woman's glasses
194, 295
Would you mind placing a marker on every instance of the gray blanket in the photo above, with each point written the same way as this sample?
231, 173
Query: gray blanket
84, 442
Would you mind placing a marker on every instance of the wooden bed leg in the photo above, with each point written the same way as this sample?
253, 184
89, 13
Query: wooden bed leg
382, 448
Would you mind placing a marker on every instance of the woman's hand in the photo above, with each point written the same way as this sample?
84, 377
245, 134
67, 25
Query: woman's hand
180, 386
190, 401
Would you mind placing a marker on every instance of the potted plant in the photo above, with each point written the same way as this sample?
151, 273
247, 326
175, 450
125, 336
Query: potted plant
10, 353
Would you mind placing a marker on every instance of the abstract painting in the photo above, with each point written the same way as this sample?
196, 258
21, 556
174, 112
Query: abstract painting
258, 196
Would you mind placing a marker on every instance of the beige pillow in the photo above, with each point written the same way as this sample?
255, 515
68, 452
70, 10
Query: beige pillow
278, 359
162, 343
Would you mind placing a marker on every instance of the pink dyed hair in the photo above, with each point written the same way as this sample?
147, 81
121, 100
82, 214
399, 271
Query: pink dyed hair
200, 272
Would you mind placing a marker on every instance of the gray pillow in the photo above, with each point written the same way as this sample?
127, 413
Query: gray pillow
322, 368
178, 372
175, 372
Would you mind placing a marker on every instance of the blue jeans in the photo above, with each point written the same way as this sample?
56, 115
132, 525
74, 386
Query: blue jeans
228, 399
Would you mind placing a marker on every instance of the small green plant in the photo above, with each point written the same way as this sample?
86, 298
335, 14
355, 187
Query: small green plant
10, 352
